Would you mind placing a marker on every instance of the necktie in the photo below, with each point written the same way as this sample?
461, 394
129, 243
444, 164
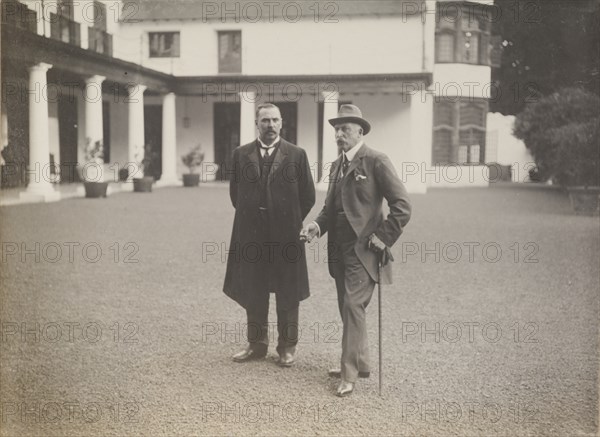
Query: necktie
345, 165
267, 151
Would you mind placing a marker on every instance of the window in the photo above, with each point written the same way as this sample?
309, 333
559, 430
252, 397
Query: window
442, 146
459, 131
470, 48
164, 44
64, 29
465, 40
444, 114
462, 154
471, 114
444, 44
469, 149
65, 8
230, 52
99, 41
99, 15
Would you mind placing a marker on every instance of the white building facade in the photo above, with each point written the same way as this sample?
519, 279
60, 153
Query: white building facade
165, 77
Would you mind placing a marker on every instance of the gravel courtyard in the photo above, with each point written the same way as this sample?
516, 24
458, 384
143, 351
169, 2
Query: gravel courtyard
114, 323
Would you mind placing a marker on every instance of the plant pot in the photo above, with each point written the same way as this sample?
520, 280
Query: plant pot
191, 180
585, 200
143, 185
95, 190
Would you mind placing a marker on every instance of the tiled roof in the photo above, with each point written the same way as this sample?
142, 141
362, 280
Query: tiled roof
142, 10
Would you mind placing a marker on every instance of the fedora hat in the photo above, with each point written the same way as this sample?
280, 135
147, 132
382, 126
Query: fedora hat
351, 114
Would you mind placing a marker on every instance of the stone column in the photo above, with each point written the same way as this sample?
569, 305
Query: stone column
247, 117
330, 151
169, 142
39, 188
94, 127
136, 139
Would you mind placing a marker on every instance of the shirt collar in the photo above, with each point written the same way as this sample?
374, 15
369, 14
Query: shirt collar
352, 152
264, 146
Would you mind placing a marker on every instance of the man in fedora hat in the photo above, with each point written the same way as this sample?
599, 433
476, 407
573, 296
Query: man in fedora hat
359, 235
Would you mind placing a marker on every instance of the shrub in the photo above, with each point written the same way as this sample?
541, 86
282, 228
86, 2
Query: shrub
561, 131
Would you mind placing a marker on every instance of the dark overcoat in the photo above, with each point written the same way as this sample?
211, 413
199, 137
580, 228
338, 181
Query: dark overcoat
290, 195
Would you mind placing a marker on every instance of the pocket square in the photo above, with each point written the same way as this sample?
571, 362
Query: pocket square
359, 177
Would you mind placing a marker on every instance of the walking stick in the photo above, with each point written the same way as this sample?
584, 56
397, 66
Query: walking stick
380, 324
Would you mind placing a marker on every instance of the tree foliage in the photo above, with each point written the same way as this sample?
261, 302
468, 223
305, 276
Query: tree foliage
546, 45
561, 131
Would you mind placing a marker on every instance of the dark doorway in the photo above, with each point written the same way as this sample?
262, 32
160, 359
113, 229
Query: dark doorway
227, 135
67, 137
16, 153
153, 136
289, 114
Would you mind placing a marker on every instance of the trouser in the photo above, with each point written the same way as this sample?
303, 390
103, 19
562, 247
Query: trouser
354, 289
258, 327
258, 323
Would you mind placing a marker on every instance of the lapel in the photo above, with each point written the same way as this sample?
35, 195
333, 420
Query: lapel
280, 158
333, 175
355, 162
252, 154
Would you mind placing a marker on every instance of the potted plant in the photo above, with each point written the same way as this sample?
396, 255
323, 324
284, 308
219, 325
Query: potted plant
13, 164
192, 160
144, 183
561, 131
92, 172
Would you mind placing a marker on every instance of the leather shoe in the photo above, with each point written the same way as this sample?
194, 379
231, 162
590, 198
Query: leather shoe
345, 389
337, 373
249, 354
286, 359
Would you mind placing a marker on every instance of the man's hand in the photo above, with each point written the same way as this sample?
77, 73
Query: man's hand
379, 247
375, 244
309, 232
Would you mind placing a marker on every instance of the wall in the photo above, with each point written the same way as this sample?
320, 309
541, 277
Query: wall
200, 132
353, 45
452, 80
457, 176
510, 151
390, 122
119, 131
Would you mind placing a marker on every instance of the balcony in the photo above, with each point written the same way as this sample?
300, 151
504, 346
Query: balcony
18, 15
65, 30
100, 41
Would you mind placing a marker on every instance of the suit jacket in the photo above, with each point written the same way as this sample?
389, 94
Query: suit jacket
370, 178
290, 197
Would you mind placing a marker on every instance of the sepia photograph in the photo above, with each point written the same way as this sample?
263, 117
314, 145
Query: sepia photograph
299, 218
